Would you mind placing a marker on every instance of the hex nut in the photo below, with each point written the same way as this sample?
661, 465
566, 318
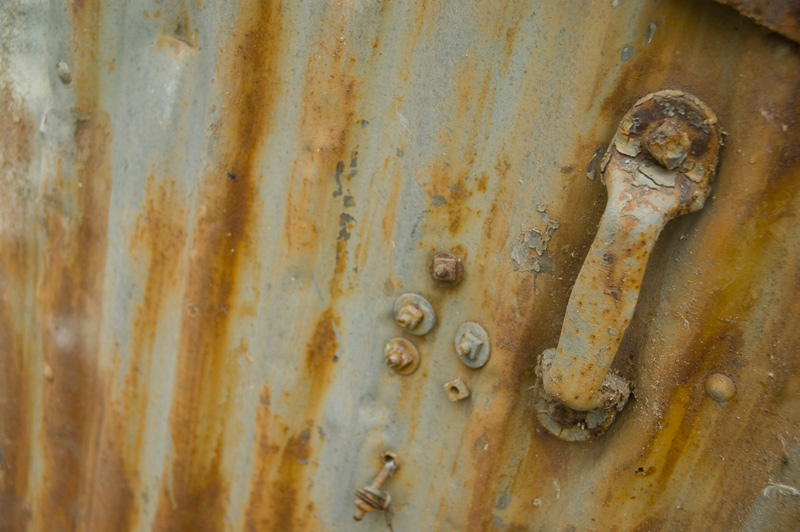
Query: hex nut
414, 313
402, 356
720, 388
456, 390
472, 344
446, 269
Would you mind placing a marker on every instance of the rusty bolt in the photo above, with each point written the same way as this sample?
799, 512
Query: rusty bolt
410, 316
668, 144
720, 388
414, 313
456, 390
446, 269
371, 498
402, 356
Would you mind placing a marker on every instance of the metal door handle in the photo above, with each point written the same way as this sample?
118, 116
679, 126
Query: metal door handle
658, 166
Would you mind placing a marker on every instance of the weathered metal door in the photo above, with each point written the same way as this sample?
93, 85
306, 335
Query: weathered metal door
209, 209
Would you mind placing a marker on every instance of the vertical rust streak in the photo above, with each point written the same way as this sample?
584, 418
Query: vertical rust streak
316, 213
278, 490
158, 240
70, 292
70, 301
194, 489
17, 277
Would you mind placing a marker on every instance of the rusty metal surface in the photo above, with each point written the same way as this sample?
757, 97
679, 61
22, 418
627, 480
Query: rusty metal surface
782, 16
209, 208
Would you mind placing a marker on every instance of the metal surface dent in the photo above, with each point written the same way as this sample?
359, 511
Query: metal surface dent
208, 209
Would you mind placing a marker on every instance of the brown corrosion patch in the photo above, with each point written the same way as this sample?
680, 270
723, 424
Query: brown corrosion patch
157, 241
194, 489
70, 291
18, 268
320, 189
782, 16
278, 496
70, 305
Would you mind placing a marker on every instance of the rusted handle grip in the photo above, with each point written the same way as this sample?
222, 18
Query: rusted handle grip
659, 166
602, 302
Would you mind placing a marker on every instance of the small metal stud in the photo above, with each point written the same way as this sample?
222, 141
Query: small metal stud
402, 356
472, 344
414, 313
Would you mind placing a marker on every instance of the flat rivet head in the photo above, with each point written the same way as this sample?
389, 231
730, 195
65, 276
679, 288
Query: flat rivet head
414, 313
402, 356
446, 269
456, 390
472, 344
720, 388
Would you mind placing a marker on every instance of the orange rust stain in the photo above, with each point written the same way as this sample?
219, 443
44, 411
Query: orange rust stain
279, 491
112, 503
317, 210
287, 490
69, 300
70, 288
194, 488
178, 33
258, 515
18, 267
390, 210
319, 358
157, 241
322, 173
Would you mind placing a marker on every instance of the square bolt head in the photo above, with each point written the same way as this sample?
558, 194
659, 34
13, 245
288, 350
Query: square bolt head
446, 268
456, 390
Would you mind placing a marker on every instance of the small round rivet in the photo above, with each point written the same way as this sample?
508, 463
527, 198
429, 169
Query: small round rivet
414, 313
472, 344
402, 356
720, 387
62, 68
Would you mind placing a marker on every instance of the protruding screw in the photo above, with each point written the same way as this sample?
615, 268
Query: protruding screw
668, 144
472, 344
414, 313
464, 349
720, 388
410, 316
371, 498
469, 346
401, 356
446, 269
